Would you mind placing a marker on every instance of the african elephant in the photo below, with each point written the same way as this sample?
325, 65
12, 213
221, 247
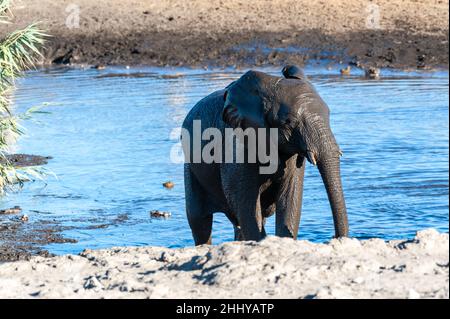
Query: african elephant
288, 104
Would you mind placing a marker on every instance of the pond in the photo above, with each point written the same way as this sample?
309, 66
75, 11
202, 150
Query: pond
110, 133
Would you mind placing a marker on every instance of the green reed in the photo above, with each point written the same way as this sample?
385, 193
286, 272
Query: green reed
19, 51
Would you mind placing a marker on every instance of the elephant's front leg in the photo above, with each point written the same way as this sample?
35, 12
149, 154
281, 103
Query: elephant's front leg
289, 203
248, 211
242, 189
238, 233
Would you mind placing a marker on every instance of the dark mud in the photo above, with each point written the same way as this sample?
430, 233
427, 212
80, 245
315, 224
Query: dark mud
408, 34
21, 240
392, 49
25, 160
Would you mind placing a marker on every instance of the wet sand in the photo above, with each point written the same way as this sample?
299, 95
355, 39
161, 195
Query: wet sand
401, 34
273, 268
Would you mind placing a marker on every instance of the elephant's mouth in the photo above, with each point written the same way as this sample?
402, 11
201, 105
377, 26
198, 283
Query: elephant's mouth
230, 115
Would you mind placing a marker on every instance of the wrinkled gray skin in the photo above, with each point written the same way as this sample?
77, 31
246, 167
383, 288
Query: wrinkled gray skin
247, 197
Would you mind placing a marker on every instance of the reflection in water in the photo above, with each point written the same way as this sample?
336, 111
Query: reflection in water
110, 139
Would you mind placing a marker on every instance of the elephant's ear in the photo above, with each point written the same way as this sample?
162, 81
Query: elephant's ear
243, 106
248, 113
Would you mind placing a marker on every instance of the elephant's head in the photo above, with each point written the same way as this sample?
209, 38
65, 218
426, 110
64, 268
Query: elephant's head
302, 118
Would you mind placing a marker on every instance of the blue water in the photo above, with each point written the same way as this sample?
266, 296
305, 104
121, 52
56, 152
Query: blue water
111, 139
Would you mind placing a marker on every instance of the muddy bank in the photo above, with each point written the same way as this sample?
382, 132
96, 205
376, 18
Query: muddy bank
378, 49
273, 268
25, 160
20, 239
400, 34
24, 234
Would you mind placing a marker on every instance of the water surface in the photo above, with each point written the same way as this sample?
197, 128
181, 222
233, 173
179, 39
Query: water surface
110, 137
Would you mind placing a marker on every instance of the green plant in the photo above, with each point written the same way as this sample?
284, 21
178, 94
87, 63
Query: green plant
19, 51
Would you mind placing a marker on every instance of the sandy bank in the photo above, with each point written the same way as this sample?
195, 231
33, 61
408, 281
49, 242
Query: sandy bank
273, 268
389, 33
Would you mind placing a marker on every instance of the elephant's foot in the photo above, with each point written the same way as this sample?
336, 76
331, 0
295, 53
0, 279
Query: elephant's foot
238, 234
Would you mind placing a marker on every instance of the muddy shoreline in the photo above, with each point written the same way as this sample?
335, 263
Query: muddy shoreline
407, 34
258, 49
20, 238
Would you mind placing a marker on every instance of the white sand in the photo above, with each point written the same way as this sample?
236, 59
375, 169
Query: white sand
273, 268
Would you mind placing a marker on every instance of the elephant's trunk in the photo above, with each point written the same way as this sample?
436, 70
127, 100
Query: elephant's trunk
323, 151
329, 168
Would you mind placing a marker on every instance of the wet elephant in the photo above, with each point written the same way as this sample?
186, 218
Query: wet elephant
257, 100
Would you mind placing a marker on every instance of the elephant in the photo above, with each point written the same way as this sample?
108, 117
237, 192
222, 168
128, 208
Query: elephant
288, 104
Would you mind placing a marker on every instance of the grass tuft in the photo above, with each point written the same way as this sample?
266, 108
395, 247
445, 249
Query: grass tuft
19, 51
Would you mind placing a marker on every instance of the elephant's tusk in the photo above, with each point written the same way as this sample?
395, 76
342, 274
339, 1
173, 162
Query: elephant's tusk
340, 153
312, 158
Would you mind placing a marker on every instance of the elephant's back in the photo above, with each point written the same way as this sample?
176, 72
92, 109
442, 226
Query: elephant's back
208, 110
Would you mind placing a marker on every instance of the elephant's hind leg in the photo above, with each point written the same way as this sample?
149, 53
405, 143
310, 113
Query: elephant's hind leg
199, 217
